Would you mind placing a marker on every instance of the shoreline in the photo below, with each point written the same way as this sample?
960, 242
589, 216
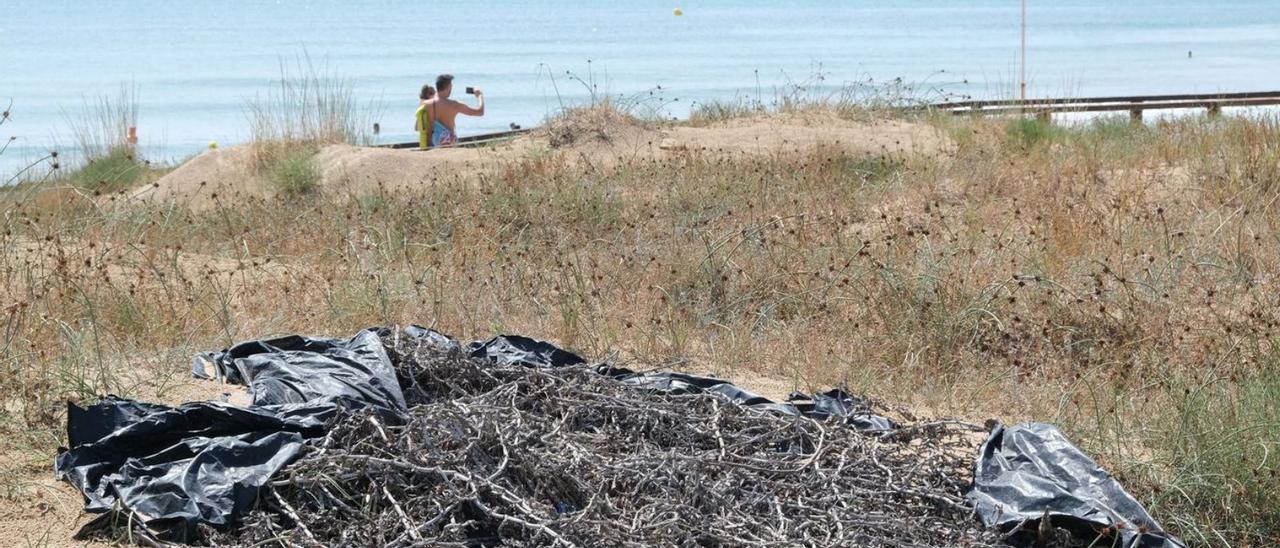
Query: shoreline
169, 157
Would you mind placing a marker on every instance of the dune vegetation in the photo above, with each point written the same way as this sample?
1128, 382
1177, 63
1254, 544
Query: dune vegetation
1116, 279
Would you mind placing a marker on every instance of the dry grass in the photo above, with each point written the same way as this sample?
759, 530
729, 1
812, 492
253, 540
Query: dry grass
603, 117
1117, 280
308, 108
599, 123
100, 128
862, 100
308, 104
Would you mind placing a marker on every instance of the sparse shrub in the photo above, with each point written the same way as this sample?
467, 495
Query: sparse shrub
309, 108
118, 169
107, 161
871, 169
1113, 129
1240, 157
860, 100
1222, 439
1031, 132
372, 203
101, 128
598, 123
309, 105
706, 112
292, 171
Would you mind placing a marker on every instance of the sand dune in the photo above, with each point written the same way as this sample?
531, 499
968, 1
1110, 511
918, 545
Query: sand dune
220, 178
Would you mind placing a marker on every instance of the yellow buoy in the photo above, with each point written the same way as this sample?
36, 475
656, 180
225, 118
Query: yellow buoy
213, 145
679, 12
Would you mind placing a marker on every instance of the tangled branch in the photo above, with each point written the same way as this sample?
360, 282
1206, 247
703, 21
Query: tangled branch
519, 456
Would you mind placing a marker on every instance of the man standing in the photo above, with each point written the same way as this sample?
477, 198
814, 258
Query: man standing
444, 111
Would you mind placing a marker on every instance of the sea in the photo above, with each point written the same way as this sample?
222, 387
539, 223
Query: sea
194, 65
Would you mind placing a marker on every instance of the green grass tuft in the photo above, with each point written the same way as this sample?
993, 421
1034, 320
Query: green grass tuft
1029, 132
717, 111
117, 170
871, 169
294, 171
1224, 438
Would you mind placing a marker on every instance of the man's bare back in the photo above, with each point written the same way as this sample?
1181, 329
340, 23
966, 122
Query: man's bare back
446, 110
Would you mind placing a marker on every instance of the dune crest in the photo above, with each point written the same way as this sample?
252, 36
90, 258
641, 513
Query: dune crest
224, 176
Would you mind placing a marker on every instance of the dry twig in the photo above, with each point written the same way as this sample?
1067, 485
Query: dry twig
567, 457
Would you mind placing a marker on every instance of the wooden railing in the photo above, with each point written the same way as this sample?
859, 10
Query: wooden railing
472, 140
1134, 104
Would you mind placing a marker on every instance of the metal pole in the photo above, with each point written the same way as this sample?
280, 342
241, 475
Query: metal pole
1023, 94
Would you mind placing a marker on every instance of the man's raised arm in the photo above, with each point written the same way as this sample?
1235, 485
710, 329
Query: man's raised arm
478, 111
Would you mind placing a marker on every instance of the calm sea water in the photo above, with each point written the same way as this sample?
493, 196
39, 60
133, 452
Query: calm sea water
196, 63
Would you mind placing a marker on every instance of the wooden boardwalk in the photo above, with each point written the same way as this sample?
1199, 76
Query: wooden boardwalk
1213, 103
471, 140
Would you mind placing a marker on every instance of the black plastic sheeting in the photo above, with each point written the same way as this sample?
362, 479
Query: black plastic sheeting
1023, 470
175, 468
299, 369
834, 403
517, 350
203, 462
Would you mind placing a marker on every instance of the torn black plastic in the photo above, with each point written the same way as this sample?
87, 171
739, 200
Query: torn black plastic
203, 463
838, 404
299, 369
517, 350
1026, 469
175, 467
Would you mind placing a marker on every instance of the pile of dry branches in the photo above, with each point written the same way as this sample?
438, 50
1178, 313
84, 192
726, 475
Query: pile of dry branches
520, 456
